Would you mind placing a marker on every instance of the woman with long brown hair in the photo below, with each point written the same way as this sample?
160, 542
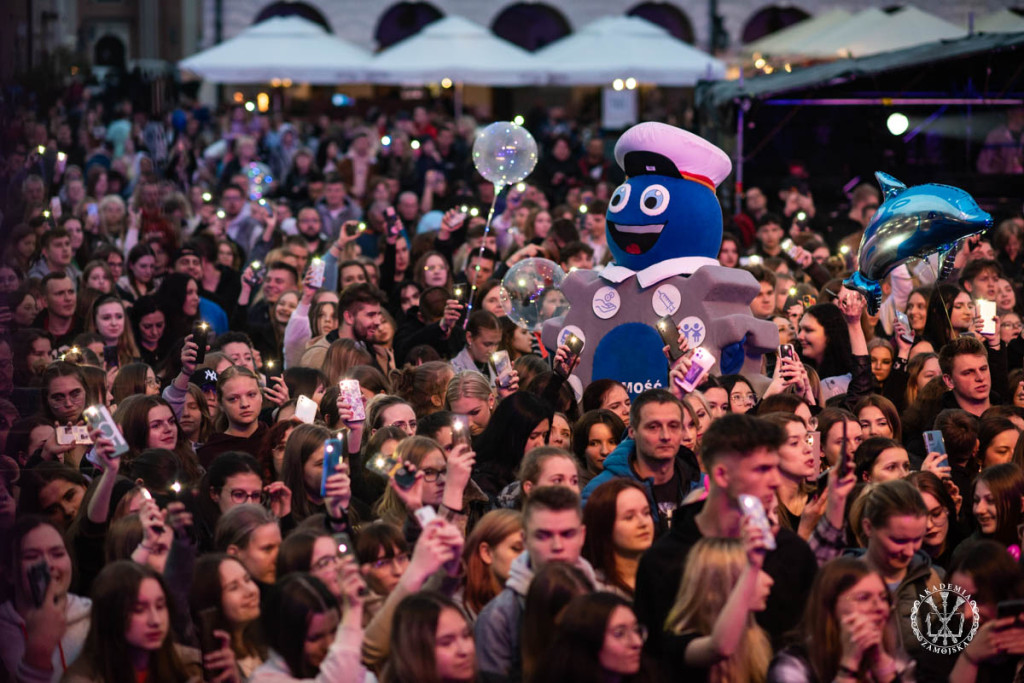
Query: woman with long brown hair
495, 541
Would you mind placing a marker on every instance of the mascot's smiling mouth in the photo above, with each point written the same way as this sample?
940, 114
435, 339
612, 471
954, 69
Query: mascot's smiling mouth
635, 239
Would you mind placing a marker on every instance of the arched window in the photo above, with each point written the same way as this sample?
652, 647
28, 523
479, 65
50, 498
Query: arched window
109, 51
403, 20
770, 20
531, 26
293, 9
667, 16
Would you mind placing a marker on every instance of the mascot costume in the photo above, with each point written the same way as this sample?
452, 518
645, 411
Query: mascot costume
664, 229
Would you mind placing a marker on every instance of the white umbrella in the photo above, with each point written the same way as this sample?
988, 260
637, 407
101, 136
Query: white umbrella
459, 50
873, 31
281, 48
626, 47
776, 43
1004, 21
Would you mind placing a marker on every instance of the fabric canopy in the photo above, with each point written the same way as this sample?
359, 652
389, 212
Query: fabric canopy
626, 47
776, 42
1005, 21
279, 48
457, 49
873, 31
711, 95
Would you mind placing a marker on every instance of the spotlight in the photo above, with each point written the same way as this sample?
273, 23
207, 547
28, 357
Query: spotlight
897, 123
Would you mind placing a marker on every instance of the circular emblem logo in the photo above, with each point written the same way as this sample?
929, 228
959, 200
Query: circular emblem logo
694, 329
606, 302
666, 300
940, 621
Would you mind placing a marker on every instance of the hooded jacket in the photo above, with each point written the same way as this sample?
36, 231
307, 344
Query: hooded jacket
497, 629
620, 464
13, 635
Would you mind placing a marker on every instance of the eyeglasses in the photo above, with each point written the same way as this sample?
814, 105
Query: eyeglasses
621, 632
1012, 326
326, 562
430, 475
433, 268
242, 496
742, 398
399, 559
863, 598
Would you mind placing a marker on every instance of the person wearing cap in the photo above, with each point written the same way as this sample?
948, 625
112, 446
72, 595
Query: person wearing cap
188, 260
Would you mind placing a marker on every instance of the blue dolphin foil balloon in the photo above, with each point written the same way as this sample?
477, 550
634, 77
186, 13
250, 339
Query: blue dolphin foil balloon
913, 223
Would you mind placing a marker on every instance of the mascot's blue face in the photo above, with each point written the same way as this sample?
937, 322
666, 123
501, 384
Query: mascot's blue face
653, 218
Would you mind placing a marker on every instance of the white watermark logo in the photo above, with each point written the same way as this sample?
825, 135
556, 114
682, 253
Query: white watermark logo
940, 620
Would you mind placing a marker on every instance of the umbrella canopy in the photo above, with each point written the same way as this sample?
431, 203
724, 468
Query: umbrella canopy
457, 49
1004, 21
626, 47
281, 47
873, 31
791, 35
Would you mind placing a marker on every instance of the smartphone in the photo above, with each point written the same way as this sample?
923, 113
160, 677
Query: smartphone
934, 443
460, 431
753, 508
1010, 608
346, 548
987, 312
353, 393
272, 368
700, 365
814, 439
64, 435
670, 335
334, 453
575, 346
149, 496
316, 268
820, 484
502, 368
200, 335
208, 622
39, 581
905, 321
787, 351
354, 229
110, 356
391, 221
305, 409
788, 247
392, 468
92, 209
98, 417
460, 293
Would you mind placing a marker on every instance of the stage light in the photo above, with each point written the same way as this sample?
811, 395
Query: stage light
897, 123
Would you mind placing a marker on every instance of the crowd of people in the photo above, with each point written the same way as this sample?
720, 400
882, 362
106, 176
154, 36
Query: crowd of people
317, 470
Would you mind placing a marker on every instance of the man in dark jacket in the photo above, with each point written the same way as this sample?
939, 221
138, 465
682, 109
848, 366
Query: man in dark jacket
654, 455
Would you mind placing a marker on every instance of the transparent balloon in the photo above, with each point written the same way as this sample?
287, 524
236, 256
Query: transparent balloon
530, 293
260, 180
504, 153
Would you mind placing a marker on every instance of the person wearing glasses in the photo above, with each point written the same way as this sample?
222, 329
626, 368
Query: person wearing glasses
742, 397
232, 479
598, 639
846, 633
443, 482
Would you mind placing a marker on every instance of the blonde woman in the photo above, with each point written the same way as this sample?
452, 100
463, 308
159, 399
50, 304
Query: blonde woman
711, 632
469, 393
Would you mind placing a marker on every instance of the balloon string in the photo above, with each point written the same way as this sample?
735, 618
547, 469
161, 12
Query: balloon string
498, 189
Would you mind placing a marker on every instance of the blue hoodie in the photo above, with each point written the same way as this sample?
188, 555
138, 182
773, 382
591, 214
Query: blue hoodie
619, 464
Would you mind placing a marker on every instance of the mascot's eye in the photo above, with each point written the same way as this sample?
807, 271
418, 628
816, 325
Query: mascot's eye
619, 199
654, 200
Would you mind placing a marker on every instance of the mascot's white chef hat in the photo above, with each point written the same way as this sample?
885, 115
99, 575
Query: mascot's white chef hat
653, 148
